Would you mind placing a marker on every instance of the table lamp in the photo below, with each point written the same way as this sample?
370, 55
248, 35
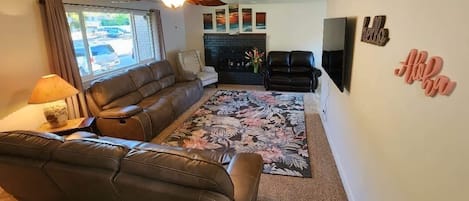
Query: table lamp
52, 90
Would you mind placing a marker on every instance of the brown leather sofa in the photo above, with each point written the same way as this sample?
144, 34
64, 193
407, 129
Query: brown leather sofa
84, 167
291, 71
140, 103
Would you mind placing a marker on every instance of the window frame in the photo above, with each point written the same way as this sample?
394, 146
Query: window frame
156, 42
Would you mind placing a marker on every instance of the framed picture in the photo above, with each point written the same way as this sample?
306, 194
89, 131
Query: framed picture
208, 21
221, 20
247, 19
260, 20
234, 18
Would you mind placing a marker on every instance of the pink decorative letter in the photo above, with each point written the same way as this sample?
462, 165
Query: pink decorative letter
416, 67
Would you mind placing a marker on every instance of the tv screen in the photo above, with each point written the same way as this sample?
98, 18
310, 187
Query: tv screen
334, 50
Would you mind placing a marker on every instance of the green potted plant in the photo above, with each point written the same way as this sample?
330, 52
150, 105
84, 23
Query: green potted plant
255, 58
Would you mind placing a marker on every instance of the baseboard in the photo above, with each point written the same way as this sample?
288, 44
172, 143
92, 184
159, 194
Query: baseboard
337, 159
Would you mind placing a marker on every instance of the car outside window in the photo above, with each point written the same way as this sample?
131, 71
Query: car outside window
108, 41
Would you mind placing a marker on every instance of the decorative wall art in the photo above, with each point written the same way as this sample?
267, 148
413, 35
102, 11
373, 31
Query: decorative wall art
260, 21
208, 21
234, 18
417, 68
377, 34
227, 20
221, 20
247, 19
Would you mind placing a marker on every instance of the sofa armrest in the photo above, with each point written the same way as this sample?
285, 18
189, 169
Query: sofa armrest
209, 69
316, 72
245, 172
121, 112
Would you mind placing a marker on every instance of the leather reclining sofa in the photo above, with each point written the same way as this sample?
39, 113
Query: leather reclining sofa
293, 71
140, 103
84, 167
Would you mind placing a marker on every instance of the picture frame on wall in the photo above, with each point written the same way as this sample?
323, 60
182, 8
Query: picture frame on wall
208, 21
220, 20
260, 20
233, 18
247, 19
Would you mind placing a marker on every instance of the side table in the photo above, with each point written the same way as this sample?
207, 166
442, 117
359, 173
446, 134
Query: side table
73, 125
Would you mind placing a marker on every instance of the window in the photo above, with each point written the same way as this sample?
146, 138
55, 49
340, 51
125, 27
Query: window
108, 40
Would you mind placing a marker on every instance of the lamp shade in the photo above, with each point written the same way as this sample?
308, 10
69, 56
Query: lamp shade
51, 88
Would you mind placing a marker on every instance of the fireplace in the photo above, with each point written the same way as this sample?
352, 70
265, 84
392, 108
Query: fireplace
227, 54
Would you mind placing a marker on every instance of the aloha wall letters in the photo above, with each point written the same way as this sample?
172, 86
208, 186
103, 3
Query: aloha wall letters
417, 68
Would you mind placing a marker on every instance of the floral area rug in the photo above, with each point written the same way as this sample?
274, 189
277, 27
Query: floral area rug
271, 124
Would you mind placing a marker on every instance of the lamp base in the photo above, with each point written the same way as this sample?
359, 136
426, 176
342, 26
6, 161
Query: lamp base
56, 113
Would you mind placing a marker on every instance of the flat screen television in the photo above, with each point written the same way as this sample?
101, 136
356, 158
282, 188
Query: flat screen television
334, 50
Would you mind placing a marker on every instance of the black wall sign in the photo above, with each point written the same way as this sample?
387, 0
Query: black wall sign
377, 34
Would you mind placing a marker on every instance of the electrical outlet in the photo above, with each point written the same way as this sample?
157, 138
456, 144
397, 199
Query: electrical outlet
324, 114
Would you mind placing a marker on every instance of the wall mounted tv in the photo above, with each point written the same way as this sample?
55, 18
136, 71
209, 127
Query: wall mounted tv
334, 50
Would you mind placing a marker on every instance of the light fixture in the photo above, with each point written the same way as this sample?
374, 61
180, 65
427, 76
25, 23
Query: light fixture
52, 90
173, 3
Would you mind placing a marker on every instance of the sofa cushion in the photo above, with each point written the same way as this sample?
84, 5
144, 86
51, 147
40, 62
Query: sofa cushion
163, 72
106, 91
178, 167
167, 81
192, 90
161, 69
278, 58
302, 58
143, 80
280, 80
301, 69
29, 144
280, 69
23, 155
161, 114
141, 76
126, 100
91, 153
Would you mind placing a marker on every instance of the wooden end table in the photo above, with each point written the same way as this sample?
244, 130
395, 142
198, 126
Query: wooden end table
73, 125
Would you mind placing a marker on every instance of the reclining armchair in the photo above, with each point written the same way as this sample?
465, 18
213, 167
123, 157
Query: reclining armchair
189, 61
291, 71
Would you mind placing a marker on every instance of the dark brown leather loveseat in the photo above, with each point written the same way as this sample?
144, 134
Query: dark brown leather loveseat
140, 103
291, 71
82, 167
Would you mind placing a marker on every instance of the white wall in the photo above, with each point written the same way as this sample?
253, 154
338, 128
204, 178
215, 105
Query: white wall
390, 141
290, 26
24, 59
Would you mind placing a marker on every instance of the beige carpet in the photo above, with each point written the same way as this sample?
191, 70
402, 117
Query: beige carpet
325, 184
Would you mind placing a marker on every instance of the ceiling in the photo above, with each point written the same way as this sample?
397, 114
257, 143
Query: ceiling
226, 1
264, 1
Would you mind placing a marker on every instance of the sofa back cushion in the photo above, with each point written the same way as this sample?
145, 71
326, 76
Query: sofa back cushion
23, 155
163, 72
302, 59
91, 152
143, 80
279, 61
117, 91
302, 62
161, 163
278, 58
85, 168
